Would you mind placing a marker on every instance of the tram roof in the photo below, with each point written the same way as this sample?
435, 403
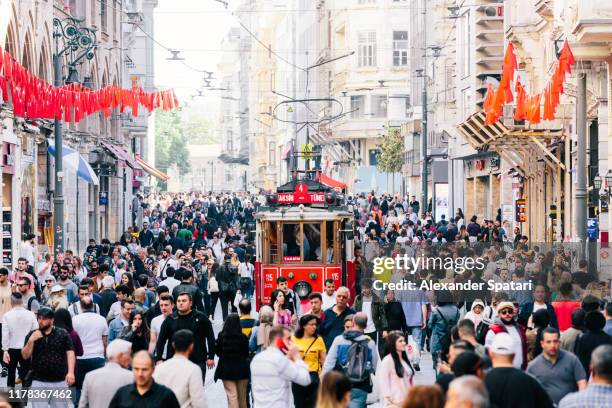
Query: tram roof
302, 213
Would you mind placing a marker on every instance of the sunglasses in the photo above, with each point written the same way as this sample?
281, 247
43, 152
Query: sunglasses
22, 284
506, 312
49, 280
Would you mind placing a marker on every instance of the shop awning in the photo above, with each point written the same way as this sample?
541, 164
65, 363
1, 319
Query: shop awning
517, 145
75, 161
121, 154
328, 181
152, 170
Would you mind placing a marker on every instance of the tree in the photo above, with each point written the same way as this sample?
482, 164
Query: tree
391, 152
170, 142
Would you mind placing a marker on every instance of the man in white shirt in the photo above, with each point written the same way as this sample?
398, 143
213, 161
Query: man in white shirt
166, 303
93, 332
166, 262
179, 374
329, 294
16, 324
170, 282
506, 324
273, 370
100, 385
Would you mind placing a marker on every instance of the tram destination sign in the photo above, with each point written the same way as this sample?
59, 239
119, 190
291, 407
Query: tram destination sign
301, 196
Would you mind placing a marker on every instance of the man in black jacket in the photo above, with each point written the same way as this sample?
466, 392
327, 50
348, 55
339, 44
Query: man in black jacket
227, 276
186, 318
155, 310
186, 285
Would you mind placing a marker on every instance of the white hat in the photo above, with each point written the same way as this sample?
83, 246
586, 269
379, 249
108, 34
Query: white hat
505, 305
503, 344
57, 288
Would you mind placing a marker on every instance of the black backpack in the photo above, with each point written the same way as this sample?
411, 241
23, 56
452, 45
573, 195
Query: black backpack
358, 366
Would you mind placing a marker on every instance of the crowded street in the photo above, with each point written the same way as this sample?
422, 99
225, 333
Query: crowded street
306, 204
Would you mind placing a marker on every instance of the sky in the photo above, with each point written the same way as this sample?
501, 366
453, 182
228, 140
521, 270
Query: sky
196, 27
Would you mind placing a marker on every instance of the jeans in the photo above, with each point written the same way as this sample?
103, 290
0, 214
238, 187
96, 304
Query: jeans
83, 366
24, 368
214, 297
359, 398
416, 332
246, 287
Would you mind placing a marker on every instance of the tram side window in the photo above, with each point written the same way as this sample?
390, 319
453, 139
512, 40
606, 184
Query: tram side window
330, 236
291, 240
312, 243
271, 252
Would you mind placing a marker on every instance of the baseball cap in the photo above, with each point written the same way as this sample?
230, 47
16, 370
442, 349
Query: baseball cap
46, 312
505, 305
503, 344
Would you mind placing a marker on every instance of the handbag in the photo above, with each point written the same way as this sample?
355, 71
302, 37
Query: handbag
213, 285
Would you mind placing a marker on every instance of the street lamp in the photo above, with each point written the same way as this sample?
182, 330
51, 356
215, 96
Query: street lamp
79, 43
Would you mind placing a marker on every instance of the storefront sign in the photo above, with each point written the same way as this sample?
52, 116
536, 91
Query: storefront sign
592, 229
521, 208
103, 198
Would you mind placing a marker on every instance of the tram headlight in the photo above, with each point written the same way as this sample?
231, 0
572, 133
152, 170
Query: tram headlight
303, 289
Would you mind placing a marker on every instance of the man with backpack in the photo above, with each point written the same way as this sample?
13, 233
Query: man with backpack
30, 301
354, 354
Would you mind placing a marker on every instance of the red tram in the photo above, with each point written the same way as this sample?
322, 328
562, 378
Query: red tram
304, 233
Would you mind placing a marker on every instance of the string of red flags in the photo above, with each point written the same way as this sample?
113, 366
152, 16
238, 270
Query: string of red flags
528, 107
34, 98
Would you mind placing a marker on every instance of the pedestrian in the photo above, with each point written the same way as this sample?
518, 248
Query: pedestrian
593, 336
137, 332
170, 282
228, 280
274, 369
123, 293
467, 391
395, 373
65, 282
108, 295
115, 328
334, 391
442, 319
506, 324
394, 313
180, 375
113, 375
185, 317
329, 294
260, 336
212, 287
187, 285
508, 386
75, 308
292, 302
424, 396
599, 390
538, 303
315, 300
16, 324
233, 367
333, 325
93, 332
569, 336
312, 351
63, 320
559, 372
30, 302
53, 359
359, 370
166, 303
414, 303
144, 392
247, 320
369, 302
282, 314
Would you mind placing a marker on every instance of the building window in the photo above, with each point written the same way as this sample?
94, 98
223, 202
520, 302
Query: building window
378, 106
228, 176
230, 142
465, 41
271, 154
373, 156
357, 106
366, 51
400, 48
103, 14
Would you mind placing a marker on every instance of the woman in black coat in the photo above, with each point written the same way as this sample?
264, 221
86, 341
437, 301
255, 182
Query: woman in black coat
233, 367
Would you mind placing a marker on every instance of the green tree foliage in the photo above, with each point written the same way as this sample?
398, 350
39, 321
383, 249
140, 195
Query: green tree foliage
198, 129
391, 152
170, 142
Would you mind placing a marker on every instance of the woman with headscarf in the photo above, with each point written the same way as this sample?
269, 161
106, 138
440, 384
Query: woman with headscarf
260, 336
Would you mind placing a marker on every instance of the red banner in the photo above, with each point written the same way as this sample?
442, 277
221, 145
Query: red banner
34, 98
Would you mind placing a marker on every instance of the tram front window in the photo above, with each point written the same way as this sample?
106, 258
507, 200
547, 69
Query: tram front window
303, 241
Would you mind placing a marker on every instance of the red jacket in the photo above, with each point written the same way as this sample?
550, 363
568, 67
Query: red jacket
499, 328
